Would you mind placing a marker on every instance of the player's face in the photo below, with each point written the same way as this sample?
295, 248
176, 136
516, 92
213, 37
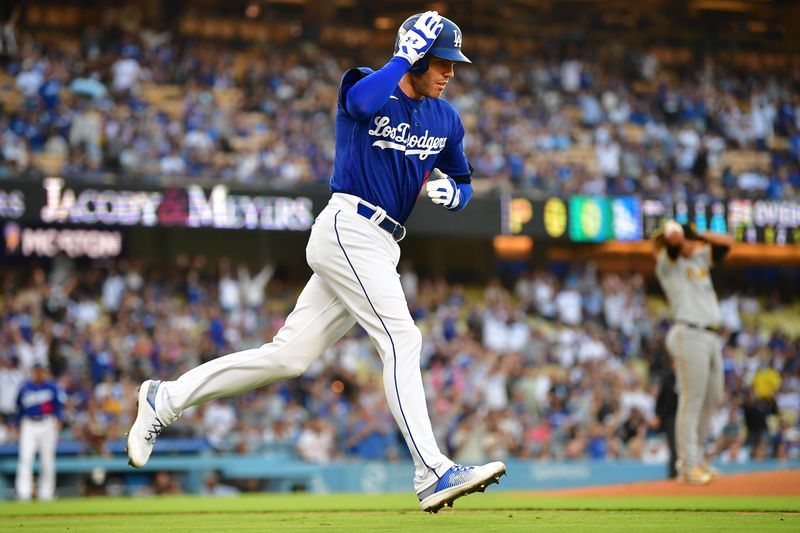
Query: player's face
39, 375
432, 82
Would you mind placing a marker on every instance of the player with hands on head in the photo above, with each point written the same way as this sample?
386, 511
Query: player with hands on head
683, 262
393, 132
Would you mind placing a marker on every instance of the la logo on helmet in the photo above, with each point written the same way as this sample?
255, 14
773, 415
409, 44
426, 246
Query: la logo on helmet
457, 38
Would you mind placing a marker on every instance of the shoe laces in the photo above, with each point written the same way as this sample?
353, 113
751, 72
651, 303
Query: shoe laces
155, 430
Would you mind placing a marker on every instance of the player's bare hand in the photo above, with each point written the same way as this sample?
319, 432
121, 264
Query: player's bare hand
442, 190
414, 43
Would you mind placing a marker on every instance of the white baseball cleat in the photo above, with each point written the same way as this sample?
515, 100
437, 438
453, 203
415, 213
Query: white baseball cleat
146, 427
459, 481
695, 475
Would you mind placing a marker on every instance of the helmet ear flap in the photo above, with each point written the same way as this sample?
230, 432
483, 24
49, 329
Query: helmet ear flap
420, 66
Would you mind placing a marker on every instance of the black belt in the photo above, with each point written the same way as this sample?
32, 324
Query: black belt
396, 230
712, 329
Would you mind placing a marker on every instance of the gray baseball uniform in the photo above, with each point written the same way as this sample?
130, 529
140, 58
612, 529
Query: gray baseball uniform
694, 345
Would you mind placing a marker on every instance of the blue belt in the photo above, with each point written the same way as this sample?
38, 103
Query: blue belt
396, 230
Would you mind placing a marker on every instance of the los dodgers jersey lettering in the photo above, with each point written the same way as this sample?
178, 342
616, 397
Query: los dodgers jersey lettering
39, 400
386, 158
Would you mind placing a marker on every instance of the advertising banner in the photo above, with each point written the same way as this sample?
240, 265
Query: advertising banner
546, 219
705, 214
49, 242
627, 218
54, 202
590, 219
189, 206
766, 221
12, 204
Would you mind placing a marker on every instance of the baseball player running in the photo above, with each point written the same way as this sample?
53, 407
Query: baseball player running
39, 406
392, 133
682, 267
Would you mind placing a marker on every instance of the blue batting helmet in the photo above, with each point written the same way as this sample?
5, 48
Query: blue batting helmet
446, 46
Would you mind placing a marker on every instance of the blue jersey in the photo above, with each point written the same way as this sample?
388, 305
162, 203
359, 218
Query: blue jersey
386, 157
36, 401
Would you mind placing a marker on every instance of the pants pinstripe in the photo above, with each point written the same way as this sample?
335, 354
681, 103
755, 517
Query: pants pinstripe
698, 368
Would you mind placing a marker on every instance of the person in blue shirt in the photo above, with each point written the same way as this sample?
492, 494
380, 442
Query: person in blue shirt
395, 139
40, 404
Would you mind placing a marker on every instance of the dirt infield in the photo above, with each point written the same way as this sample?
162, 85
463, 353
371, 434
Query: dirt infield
779, 483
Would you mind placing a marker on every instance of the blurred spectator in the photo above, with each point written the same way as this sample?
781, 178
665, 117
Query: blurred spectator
163, 483
11, 379
212, 486
546, 389
370, 437
655, 452
315, 443
127, 72
8, 37
219, 419
568, 302
666, 409
578, 120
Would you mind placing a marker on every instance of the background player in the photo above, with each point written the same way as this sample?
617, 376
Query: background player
392, 133
684, 259
39, 409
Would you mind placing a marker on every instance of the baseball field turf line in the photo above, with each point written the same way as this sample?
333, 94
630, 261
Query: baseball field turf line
449, 521
365, 503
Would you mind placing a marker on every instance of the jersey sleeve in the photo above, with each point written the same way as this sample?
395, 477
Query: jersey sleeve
452, 160
718, 253
60, 399
349, 79
364, 91
664, 264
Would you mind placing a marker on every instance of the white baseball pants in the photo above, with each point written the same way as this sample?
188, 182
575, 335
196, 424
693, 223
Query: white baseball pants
701, 388
355, 280
41, 436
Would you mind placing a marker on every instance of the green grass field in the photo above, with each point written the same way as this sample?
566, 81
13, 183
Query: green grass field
498, 511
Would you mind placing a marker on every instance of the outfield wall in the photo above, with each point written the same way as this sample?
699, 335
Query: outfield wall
522, 475
281, 473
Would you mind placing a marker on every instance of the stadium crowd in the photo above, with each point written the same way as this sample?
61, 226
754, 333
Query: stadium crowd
561, 366
566, 119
